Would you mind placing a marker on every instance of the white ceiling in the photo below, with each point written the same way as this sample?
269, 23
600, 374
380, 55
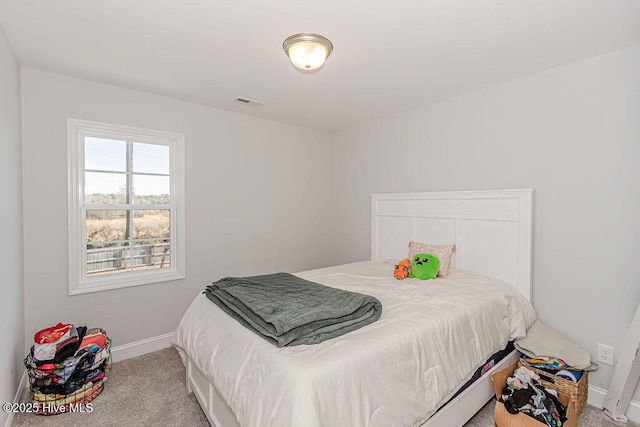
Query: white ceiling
389, 56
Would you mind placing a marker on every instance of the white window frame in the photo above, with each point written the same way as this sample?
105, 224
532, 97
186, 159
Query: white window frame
79, 282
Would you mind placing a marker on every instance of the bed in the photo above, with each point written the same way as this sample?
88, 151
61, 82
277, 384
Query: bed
403, 368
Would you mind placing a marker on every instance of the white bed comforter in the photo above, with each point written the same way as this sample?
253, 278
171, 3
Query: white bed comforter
395, 372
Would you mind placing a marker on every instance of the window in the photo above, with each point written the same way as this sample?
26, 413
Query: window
126, 206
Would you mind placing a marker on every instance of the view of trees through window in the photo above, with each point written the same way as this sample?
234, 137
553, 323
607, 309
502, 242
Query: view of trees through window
127, 205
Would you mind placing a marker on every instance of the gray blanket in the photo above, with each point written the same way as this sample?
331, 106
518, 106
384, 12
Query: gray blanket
287, 310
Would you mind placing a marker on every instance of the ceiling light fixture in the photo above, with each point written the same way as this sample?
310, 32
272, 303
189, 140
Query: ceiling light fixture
307, 51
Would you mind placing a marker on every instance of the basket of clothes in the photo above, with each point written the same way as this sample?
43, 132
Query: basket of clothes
561, 364
66, 367
555, 374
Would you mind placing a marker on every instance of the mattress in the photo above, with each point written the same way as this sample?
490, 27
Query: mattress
398, 371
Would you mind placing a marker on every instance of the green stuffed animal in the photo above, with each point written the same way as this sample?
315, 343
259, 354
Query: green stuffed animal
424, 266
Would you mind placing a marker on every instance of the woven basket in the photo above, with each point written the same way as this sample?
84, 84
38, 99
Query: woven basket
577, 392
83, 384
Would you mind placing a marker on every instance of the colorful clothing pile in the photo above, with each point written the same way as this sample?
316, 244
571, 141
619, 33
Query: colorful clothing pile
523, 393
550, 363
554, 366
67, 366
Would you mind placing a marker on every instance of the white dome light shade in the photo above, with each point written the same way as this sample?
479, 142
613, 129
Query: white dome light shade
307, 51
307, 55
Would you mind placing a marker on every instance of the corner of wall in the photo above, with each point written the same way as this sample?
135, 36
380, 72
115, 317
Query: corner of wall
12, 311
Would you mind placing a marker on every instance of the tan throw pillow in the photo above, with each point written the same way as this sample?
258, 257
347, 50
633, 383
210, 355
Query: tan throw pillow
443, 252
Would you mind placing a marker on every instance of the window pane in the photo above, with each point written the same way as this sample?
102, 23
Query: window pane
151, 224
105, 226
102, 188
147, 256
105, 154
151, 189
107, 258
150, 158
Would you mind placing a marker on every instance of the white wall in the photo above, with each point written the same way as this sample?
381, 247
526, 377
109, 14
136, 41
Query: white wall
573, 134
257, 195
12, 287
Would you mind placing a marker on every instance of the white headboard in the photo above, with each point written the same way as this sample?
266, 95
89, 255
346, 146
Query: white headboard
491, 229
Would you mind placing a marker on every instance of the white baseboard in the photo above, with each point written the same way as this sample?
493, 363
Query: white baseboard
633, 413
17, 397
596, 398
142, 347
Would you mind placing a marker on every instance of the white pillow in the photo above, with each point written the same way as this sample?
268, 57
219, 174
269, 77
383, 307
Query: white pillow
443, 252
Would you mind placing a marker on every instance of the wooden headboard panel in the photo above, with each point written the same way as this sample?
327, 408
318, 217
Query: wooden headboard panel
492, 229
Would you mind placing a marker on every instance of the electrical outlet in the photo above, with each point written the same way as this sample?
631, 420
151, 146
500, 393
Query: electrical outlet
605, 354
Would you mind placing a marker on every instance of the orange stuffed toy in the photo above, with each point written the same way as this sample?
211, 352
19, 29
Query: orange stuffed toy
402, 269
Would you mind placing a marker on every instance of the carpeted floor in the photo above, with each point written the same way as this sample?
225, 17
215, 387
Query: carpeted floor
150, 391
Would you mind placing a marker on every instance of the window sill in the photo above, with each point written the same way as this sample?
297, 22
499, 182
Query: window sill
131, 280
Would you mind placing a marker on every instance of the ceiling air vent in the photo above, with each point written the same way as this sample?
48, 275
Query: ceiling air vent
249, 102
